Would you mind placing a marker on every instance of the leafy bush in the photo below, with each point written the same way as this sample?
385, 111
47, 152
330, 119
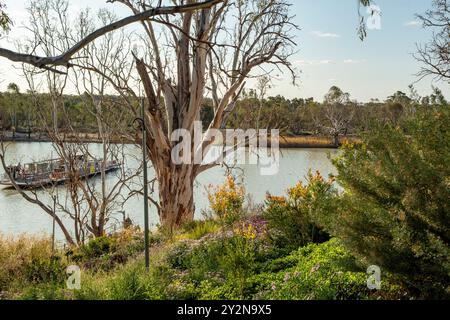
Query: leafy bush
226, 259
226, 201
395, 212
94, 286
47, 269
291, 219
98, 247
213, 290
178, 255
43, 291
238, 261
104, 253
204, 260
322, 272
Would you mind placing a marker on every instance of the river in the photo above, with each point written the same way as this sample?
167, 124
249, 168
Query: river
17, 216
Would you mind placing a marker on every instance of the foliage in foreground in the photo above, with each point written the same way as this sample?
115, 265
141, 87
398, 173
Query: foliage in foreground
30, 269
318, 271
212, 259
395, 212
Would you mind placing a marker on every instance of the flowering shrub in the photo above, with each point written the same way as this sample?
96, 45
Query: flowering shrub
259, 224
246, 231
317, 187
226, 201
292, 220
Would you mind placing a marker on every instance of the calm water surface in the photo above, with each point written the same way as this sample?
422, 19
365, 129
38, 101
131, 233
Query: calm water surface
17, 216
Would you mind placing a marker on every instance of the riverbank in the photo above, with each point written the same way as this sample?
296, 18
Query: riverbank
83, 137
313, 142
286, 142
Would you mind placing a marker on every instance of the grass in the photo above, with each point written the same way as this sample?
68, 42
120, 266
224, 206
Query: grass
313, 141
198, 229
28, 261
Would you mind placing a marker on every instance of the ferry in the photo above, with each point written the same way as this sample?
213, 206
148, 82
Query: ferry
52, 172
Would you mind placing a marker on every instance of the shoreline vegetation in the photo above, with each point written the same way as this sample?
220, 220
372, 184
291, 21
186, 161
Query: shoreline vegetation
236, 252
286, 142
309, 243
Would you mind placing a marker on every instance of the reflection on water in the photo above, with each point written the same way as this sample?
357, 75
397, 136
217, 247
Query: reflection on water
18, 216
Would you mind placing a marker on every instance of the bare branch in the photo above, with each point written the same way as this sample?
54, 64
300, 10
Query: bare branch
64, 59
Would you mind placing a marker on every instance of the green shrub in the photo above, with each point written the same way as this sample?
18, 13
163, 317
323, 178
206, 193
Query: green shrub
291, 219
225, 260
238, 261
105, 253
48, 269
98, 247
395, 212
178, 255
43, 291
204, 259
280, 264
212, 290
94, 286
322, 271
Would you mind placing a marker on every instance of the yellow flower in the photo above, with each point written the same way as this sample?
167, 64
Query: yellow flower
247, 231
227, 199
298, 192
250, 232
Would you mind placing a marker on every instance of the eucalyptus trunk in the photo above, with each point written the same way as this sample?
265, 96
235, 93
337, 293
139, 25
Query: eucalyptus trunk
176, 195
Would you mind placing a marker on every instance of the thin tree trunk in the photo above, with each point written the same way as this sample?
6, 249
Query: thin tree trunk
336, 140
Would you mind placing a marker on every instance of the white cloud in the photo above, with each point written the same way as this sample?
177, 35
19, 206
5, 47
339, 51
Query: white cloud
323, 62
413, 24
353, 61
321, 34
313, 62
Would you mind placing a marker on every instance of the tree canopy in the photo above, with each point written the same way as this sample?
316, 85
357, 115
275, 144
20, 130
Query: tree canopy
5, 21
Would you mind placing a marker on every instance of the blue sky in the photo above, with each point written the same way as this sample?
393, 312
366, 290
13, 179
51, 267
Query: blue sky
330, 53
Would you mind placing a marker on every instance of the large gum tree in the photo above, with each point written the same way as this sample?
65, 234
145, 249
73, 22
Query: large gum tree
188, 50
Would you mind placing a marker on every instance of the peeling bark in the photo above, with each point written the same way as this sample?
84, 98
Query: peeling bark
176, 193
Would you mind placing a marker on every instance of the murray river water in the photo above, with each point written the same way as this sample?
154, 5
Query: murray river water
17, 216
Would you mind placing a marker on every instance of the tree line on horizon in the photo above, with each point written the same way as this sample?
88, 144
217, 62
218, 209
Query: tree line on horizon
336, 115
